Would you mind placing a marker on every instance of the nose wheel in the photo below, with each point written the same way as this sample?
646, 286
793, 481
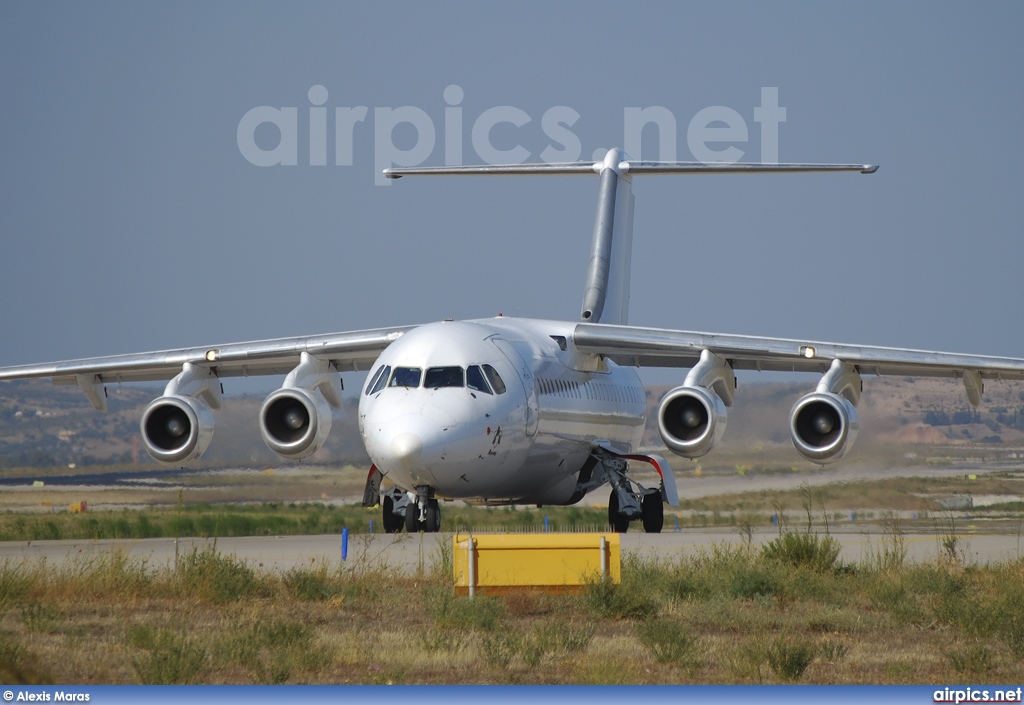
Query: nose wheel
424, 515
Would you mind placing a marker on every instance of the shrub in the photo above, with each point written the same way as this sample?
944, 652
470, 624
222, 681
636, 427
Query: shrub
209, 575
165, 656
800, 548
15, 583
667, 640
449, 610
789, 658
972, 661
628, 600
18, 665
312, 584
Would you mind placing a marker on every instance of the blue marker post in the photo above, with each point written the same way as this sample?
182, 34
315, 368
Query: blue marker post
371, 526
344, 543
545, 525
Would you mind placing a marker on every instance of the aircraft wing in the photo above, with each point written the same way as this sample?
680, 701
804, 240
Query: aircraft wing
349, 351
655, 347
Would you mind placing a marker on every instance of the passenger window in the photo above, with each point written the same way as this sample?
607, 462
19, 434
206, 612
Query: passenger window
438, 377
406, 377
381, 379
495, 379
475, 380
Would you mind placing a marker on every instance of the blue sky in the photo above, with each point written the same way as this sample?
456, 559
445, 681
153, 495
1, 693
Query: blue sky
131, 220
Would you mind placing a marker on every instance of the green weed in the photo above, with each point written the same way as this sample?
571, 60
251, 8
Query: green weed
790, 657
312, 584
805, 549
211, 576
833, 650
667, 640
162, 656
451, 611
971, 662
44, 617
629, 600
18, 665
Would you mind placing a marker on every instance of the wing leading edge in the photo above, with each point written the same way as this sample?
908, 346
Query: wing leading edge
349, 351
655, 347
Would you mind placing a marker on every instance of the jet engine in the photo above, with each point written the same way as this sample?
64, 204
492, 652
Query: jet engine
823, 426
295, 422
176, 429
691, 420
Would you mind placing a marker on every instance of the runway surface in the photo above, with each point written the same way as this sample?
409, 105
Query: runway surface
410, 553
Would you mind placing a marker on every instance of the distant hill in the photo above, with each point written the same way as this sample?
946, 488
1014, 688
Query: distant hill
42, 425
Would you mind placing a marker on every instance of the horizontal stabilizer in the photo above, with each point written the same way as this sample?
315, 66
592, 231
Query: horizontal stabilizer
624, 167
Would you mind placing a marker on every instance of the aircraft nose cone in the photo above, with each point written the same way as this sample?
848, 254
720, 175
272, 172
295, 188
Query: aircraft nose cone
409, 445
406, 449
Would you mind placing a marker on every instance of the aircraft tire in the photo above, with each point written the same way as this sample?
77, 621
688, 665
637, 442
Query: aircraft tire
412, 522
616, 521
433, 517
653, 512
392, 523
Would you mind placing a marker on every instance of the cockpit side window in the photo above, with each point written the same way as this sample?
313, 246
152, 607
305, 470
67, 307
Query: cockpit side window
406, 377
437, 377
475, 380
495, 379
380, 379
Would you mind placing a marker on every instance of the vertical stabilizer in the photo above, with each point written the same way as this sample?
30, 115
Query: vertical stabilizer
606, 294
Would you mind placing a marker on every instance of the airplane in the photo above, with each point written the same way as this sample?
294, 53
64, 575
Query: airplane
508, 410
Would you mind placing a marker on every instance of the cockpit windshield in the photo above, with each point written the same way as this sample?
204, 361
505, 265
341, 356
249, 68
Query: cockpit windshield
406, 377
443, 377
478, 378
495, 379
380, 378
475, 380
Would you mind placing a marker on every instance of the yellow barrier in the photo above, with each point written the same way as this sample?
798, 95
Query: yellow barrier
492, 564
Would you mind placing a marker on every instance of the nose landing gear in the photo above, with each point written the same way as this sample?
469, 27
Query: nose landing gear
416, 512
423, 517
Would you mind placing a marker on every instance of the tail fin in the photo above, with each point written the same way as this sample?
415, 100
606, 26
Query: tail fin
606, 294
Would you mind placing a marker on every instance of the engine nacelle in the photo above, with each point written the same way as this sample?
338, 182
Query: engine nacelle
823, 426
691, 420
176, 429
295, 422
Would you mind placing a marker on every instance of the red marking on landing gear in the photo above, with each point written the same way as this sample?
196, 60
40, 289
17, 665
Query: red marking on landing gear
646, 459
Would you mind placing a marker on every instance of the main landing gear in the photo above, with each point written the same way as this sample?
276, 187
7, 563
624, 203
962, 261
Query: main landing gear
626, 504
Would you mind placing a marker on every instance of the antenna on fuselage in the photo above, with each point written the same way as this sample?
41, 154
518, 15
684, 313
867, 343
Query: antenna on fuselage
606, 292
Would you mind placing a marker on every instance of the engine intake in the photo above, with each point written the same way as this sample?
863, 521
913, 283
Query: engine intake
176, 429
295, 422
823, 426
691, 420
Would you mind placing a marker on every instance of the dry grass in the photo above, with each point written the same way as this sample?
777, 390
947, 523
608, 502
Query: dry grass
728, 615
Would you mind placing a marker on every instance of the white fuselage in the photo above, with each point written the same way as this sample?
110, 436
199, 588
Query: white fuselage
423, 425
